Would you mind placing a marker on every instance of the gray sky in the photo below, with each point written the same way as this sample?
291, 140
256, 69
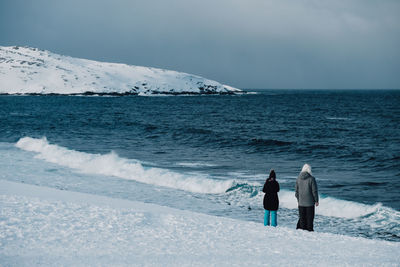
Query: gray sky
244, 43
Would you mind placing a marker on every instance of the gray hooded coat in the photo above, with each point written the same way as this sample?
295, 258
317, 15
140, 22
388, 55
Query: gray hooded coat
306, 190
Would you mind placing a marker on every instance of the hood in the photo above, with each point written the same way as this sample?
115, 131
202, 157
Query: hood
304, 175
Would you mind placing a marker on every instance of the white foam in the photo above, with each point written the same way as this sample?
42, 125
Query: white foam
338, 118
328, 206
331, 207
113, 165
195, 164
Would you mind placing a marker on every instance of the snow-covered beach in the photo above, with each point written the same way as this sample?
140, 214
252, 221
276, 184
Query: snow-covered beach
164, 133
43, 226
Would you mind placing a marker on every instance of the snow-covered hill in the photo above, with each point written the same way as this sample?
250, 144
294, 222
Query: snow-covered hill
25, 70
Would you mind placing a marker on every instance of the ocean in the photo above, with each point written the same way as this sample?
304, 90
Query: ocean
212, 154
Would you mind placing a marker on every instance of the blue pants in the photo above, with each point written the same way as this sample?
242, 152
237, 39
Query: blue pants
273, 214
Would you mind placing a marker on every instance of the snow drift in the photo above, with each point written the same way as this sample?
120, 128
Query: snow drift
25, 70
45, 227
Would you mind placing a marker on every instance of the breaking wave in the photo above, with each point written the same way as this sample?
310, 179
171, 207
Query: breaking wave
247, 194
243, 193
113, 165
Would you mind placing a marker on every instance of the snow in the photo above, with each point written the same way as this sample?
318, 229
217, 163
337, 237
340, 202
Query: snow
43, 226
25, 70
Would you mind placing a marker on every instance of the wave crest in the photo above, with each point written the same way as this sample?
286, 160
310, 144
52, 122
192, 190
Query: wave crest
247, 194
113, 165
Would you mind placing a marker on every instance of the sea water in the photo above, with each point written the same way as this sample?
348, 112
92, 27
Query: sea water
212, 154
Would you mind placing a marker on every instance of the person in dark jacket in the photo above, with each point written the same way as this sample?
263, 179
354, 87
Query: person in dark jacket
307, 198
271, 200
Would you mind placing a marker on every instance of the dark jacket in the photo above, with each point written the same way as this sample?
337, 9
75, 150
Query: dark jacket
306, 190
271, 200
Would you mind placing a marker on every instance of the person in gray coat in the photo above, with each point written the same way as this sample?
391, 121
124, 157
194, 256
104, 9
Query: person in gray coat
307, 198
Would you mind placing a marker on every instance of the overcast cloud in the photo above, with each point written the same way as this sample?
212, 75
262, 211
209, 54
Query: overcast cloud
243, 43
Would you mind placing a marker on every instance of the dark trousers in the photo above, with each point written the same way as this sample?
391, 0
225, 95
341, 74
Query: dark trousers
306, 218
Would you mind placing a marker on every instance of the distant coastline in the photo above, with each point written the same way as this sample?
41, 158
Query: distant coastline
31, 71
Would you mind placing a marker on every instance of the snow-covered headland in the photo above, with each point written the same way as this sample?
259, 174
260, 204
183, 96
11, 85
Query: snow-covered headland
43, 226
25, 70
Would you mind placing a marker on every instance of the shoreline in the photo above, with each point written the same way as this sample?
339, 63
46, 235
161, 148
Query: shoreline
43, 226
